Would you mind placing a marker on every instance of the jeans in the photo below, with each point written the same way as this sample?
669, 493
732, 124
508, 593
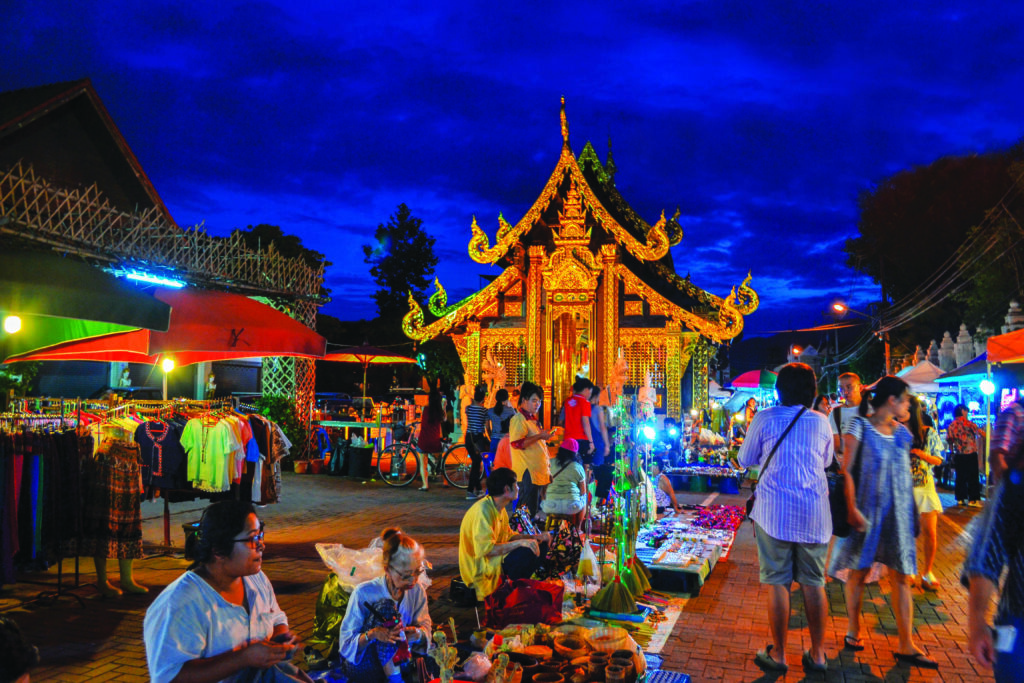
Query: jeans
521, 562
477, 462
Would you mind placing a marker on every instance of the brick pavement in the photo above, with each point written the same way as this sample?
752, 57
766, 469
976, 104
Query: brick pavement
714, 640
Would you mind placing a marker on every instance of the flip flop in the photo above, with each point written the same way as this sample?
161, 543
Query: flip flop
811, 665
916, 659
764, 660
851, 643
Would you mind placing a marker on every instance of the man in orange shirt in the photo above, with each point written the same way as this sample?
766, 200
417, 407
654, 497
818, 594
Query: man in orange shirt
577, 418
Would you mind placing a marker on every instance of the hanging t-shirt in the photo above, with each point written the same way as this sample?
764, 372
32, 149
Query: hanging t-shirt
211, 450
162, 454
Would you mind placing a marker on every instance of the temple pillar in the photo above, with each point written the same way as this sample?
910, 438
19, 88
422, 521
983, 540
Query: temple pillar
673, 368
536, 323
608, 320
700, 358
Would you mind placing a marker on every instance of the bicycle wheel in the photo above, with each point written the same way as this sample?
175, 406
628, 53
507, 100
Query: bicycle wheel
455, 464
398, 465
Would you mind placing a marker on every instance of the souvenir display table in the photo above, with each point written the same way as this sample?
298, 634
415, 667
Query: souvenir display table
681, 551
699, 477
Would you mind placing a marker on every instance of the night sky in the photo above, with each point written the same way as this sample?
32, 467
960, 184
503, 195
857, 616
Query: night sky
760, 121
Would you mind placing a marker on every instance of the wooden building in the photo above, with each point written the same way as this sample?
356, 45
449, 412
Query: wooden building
586, 282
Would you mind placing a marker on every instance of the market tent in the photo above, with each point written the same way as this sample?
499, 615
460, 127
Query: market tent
366, 356
34, 283
755, 379
972, 371
922, 376
40, 331
715, 390
205, 326
738, 400
1006, 348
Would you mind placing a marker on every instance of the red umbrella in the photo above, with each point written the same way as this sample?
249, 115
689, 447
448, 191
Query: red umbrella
755, 379
367, 355
205, 326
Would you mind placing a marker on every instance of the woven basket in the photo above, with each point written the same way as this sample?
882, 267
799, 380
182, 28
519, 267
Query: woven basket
570, 646
608, 639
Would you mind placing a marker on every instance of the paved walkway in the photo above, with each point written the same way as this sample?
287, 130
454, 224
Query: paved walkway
714, 640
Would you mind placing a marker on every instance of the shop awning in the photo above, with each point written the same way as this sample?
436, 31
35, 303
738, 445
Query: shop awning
34, 283
204, 326
40, 331
366, 356
1006, 348
755, 379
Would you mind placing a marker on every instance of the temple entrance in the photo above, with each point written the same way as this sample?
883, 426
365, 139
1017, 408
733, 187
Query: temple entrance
571, 352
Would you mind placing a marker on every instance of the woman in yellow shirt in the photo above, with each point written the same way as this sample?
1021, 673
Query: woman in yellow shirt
530, 458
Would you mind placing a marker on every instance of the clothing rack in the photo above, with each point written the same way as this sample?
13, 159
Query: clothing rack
61, 589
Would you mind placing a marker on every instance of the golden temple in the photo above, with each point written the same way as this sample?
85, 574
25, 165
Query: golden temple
585, 283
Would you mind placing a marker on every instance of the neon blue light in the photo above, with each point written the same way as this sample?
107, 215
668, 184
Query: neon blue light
648, 432
987, 387
153, 279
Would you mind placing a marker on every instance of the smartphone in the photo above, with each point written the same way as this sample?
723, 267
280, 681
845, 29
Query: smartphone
283, 638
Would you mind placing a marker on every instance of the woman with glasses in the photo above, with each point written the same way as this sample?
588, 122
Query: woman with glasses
220, 620
387, 617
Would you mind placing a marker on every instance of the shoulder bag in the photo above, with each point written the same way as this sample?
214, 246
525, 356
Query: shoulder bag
837, 492
764, 467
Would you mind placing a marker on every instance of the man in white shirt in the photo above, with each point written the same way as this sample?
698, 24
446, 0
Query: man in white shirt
791, 514
850, 387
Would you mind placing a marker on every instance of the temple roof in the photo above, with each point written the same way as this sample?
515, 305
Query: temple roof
581, 206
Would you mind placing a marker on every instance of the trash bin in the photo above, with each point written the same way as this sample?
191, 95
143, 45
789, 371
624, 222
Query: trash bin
359, 462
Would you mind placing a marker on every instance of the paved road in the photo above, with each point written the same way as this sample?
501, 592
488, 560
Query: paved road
714, 640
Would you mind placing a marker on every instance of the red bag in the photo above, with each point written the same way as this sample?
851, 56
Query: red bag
524, 601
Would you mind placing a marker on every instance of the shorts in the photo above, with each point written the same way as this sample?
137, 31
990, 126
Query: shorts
783, 562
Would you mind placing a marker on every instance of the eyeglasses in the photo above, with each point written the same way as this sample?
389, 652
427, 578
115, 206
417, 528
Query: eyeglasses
253, 541
414, 574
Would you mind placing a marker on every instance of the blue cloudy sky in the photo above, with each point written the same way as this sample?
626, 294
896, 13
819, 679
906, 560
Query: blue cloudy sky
760, 121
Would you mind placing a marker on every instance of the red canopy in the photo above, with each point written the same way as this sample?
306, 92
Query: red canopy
1006, 348
205, 326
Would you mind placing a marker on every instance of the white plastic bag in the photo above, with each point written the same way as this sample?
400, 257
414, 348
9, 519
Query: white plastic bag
476, 667
588, 570
353, 567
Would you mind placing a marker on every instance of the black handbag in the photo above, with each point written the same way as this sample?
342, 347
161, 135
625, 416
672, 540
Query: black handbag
764, 468
837, 494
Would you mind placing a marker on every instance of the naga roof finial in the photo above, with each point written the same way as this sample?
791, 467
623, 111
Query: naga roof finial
565, 125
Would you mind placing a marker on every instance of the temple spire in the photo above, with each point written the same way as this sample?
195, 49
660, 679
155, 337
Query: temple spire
565, 126
609, 167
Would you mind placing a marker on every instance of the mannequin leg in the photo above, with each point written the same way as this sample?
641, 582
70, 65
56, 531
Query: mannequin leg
107, 589
128, 579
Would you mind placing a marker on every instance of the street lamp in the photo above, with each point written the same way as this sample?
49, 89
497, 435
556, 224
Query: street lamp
167, 365
841, 309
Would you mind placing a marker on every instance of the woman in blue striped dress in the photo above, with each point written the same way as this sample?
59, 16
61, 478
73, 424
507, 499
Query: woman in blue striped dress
885, 516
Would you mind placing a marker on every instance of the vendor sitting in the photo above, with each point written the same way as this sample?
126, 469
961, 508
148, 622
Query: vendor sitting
387, 616
664, 493
567, 493
487, 546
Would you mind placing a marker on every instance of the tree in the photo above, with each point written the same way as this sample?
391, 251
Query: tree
913, 222
260, 237
403, 260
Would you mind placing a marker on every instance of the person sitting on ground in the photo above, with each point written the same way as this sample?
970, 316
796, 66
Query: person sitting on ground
567, 493
664, 493
17, 657
220, 621
388, 615
488, 548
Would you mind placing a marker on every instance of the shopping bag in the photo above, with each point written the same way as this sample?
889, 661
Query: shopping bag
588, 569
563, 552
330, 612
524, 601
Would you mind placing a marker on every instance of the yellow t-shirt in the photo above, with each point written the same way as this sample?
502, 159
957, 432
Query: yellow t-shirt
483, 527
534, 457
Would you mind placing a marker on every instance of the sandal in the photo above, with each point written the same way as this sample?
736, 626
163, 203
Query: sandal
916, 659
764, 660
851, 643
811, 665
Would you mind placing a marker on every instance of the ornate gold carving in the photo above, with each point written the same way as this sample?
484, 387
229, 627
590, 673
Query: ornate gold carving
655, 247
745, 301
571, 269
728, 325
633, 307
413, 323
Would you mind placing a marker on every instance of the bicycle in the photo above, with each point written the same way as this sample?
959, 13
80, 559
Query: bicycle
398, 465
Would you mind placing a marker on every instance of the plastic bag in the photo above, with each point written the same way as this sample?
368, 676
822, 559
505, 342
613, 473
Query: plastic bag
588, 570
330, 612
476, 667
352, 567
